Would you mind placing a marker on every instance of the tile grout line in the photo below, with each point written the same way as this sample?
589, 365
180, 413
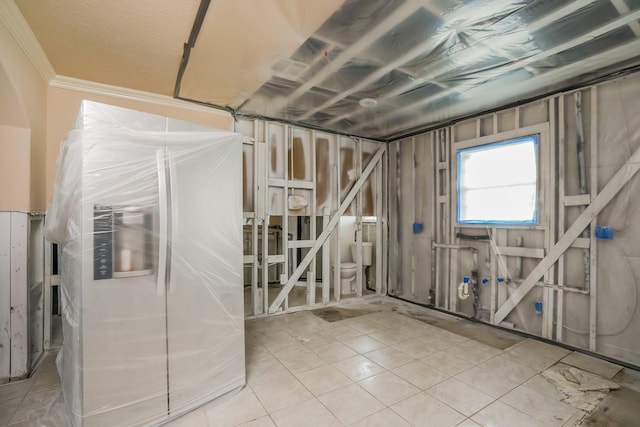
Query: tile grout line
296, 378
352, 382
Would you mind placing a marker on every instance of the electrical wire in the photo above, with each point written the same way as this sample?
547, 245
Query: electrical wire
625, 225
634, 287
635, 301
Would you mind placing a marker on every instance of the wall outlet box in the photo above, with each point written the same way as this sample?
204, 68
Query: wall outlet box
605, 233
538, 307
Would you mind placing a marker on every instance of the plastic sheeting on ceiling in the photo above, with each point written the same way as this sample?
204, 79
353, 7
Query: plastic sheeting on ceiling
422, 62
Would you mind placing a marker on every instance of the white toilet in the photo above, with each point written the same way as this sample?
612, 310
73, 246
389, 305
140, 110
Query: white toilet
349, 270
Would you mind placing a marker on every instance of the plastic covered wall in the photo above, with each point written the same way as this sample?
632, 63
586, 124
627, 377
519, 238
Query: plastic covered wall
588, 297
411, 206
612, 134
148, 211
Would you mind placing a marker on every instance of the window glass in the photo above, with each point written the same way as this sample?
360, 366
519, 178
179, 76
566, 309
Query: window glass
497, 182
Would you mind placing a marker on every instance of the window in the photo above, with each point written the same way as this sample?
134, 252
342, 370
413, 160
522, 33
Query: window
497, 182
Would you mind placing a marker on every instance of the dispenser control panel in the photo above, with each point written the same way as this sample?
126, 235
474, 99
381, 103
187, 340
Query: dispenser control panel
122, 242
102, 242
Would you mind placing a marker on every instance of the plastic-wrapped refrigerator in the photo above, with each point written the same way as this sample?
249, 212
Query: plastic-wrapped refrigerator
148, 212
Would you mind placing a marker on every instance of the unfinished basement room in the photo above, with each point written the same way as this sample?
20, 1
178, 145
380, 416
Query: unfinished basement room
299, 213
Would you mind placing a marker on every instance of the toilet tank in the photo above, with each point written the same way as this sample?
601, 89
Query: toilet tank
367, 253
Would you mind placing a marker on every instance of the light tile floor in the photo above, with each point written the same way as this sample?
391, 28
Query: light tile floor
379, 369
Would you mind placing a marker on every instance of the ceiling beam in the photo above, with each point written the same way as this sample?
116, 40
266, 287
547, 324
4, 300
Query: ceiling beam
622, 8
376, 75
615, 24
398, 15
540, 81
430, 75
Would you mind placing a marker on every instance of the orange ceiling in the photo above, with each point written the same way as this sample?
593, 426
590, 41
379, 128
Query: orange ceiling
139, 44
134, 44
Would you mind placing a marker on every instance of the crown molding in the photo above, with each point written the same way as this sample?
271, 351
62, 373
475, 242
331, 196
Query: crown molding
14, 22
17, 26
72, 83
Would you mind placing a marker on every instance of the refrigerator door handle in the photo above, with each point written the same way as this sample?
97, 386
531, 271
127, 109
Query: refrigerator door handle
163, 211
173, 189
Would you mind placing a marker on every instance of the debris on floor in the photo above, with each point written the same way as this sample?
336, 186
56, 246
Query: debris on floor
581, 389
385, 366
589, 382
592, 364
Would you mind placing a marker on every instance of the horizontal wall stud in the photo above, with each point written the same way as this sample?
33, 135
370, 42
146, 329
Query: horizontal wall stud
579, 200
273, 182
295, 244
275, 259
581, 243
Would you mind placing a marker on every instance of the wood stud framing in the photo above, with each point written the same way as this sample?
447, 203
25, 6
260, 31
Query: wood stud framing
593, 246
287, 249
561, 216
487, 129
333, 222
619, 180
548, 299
554, 201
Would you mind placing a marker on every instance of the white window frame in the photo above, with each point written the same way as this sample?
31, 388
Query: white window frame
542, 132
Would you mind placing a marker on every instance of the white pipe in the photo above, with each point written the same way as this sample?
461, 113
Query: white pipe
447, 246
564, 288
463, 289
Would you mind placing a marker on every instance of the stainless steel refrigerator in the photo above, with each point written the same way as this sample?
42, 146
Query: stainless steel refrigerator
148, 211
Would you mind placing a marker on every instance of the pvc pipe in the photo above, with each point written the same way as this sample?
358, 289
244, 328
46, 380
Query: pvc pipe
447, 246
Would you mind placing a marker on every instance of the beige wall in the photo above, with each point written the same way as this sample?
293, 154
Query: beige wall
15, 153
24, 165
45, 115
63, 104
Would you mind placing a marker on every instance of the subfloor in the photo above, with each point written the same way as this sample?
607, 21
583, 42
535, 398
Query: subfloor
382, 362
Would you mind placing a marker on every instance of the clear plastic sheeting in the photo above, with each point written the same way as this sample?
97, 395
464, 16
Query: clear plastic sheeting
383, 69
587, 292
148, 210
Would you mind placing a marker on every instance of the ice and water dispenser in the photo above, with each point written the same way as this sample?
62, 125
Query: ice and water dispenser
123, 242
